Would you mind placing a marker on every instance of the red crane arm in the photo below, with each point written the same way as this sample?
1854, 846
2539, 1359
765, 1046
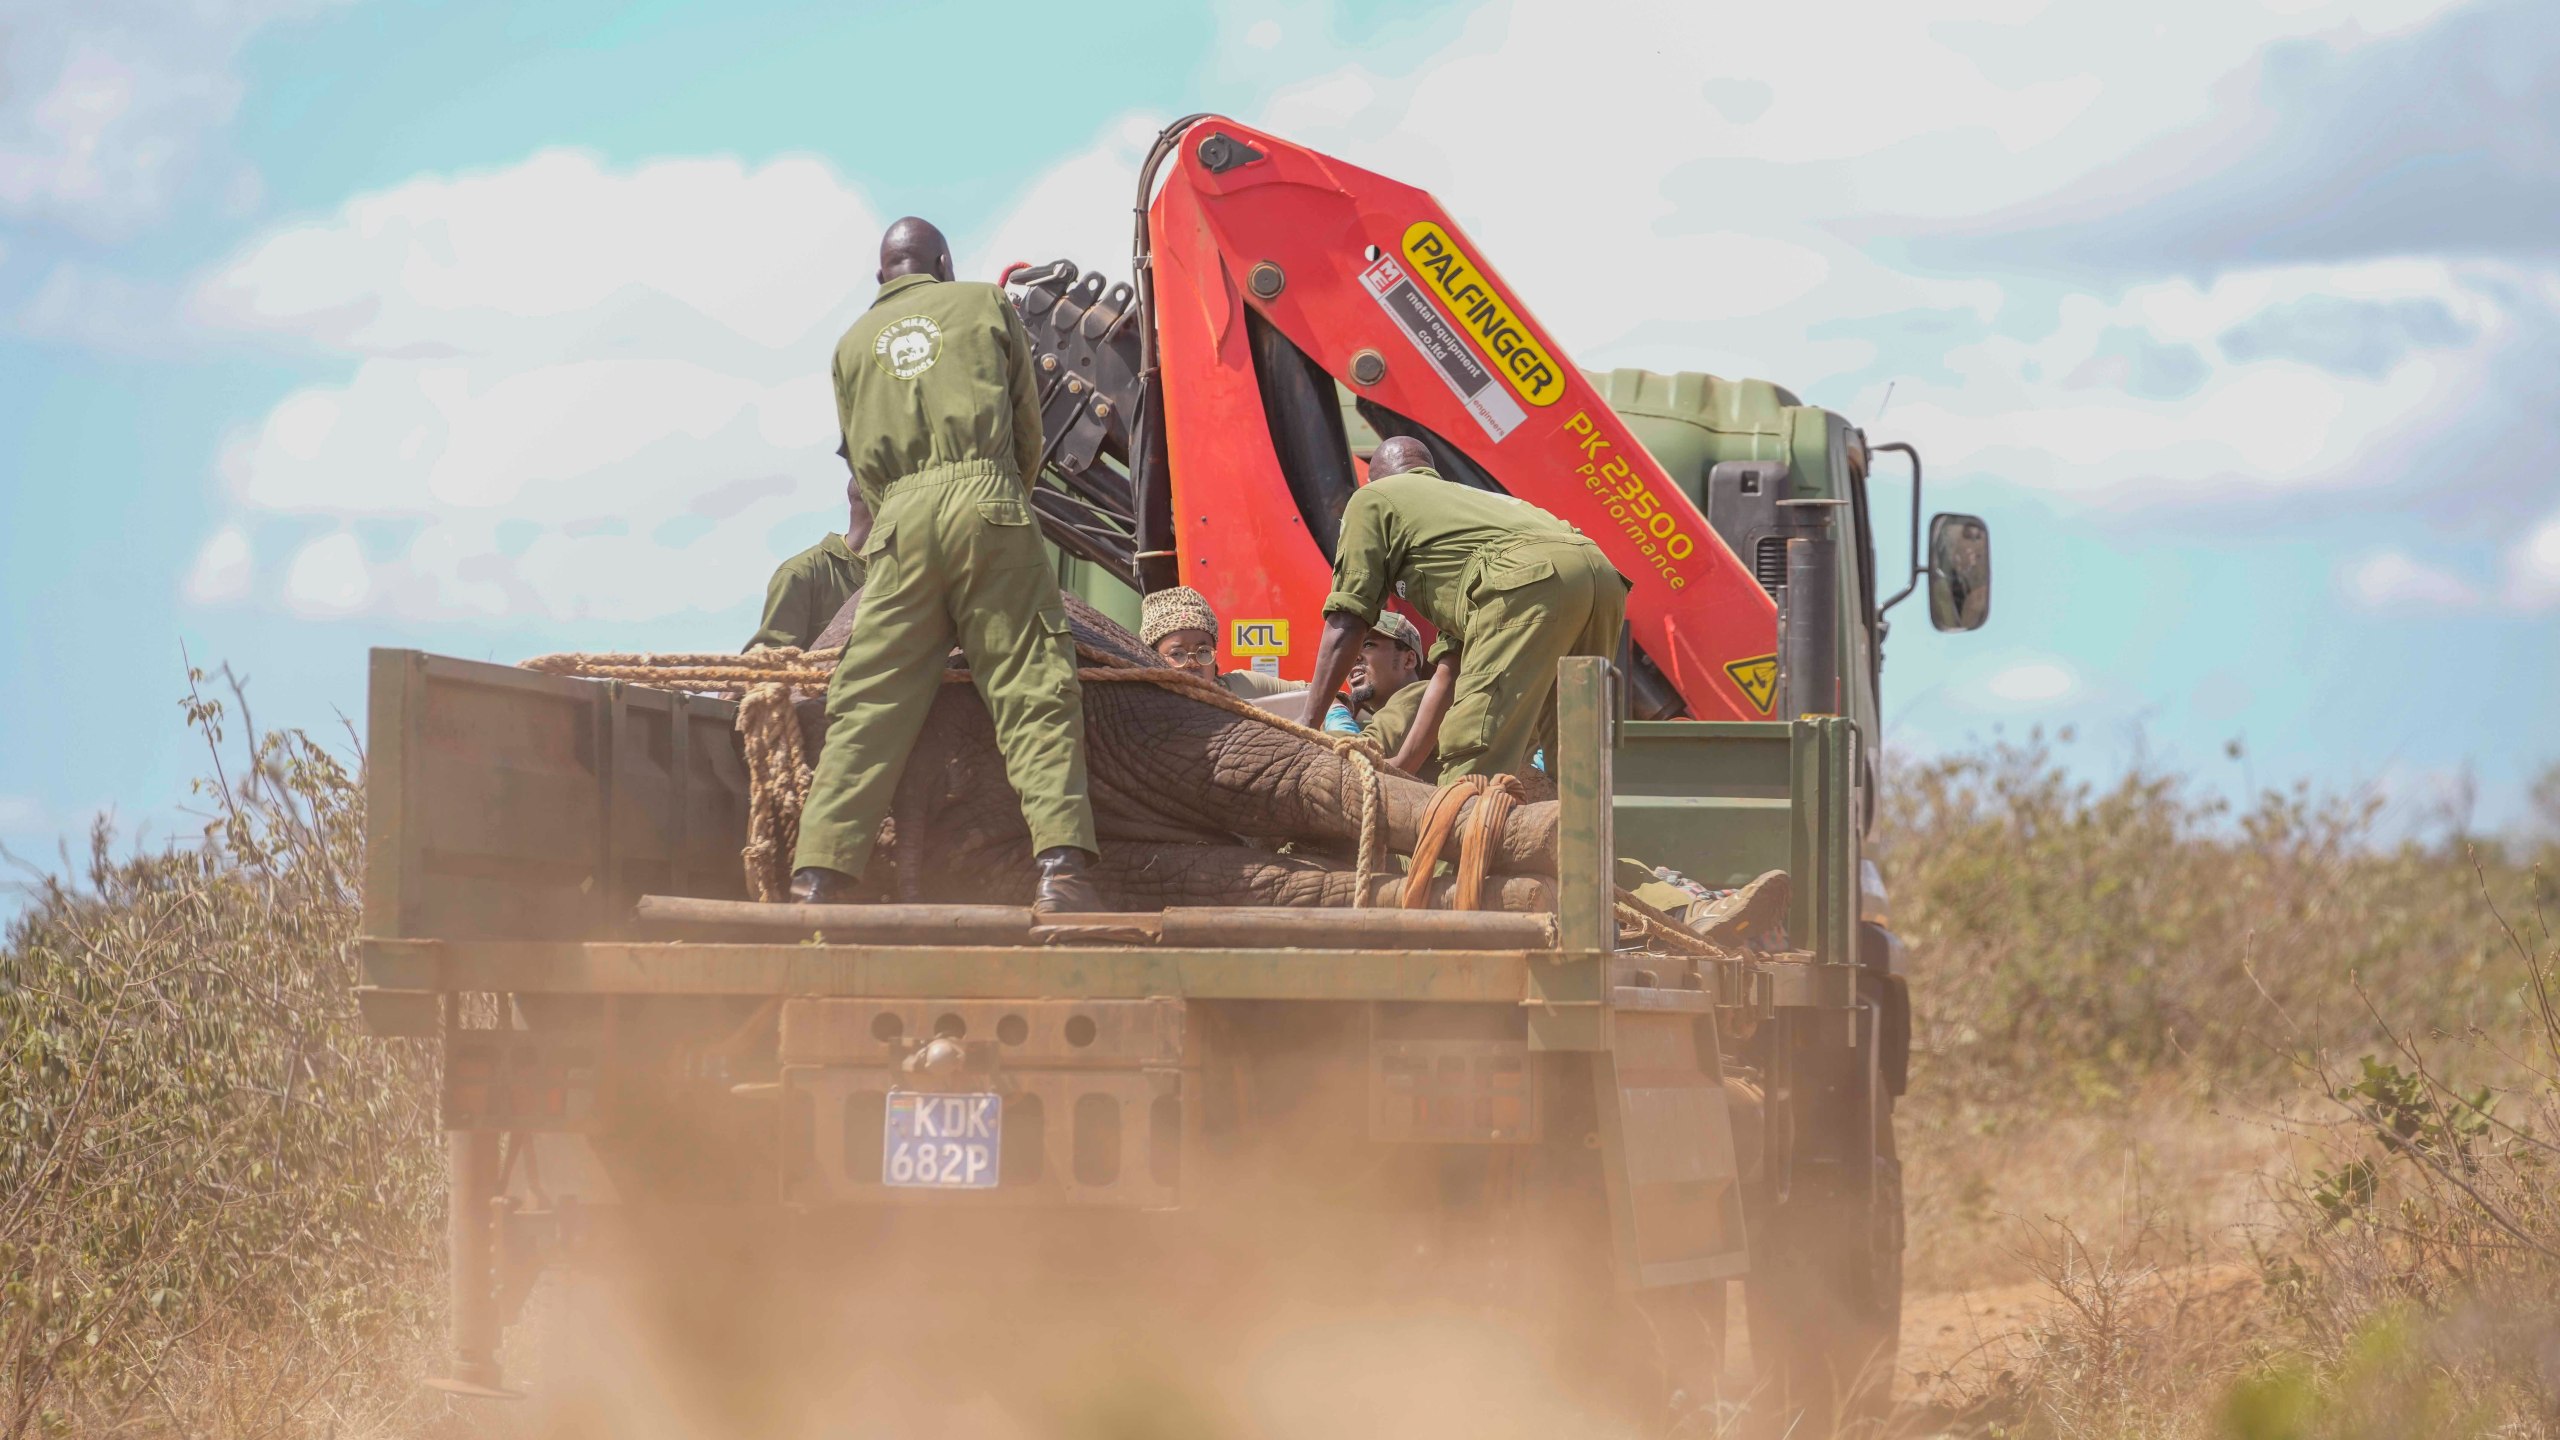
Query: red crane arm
1380, 288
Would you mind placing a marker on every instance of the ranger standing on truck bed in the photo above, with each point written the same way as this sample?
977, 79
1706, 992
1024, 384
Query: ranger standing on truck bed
1511, 588
936, 395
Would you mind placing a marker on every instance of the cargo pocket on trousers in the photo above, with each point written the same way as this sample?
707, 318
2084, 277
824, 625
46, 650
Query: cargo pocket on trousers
1007, 539
1055, 627
1500, 575
879, 569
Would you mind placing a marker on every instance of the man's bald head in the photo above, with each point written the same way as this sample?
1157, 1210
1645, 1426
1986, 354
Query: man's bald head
1397, 454
914, 247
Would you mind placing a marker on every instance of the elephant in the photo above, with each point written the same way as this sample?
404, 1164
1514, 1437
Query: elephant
1194, 803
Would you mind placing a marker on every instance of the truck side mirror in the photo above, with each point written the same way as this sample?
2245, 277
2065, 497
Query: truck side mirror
1959, 572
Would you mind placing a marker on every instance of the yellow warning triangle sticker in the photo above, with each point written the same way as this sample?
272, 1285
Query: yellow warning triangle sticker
1758, 678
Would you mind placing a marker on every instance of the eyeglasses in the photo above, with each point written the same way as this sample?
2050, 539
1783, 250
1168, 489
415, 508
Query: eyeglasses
1205, 656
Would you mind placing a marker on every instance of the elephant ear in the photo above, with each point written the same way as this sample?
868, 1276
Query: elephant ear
841, 626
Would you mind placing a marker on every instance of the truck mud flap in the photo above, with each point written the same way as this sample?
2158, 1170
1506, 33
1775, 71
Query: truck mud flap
1667, 1151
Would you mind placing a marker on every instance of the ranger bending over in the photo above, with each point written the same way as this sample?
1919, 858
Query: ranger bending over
941, 418
809, 588
1511, 588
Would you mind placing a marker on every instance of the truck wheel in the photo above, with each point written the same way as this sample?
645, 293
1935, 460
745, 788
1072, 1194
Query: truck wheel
1825, 1305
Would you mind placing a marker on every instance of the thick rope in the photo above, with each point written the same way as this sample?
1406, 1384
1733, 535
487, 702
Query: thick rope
776, 793
777, 786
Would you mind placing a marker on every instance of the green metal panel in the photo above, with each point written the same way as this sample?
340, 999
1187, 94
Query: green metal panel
1569, 987
508, 804
1667, 1154
1823, 859
958, 972
1708, 799
388, 857
1585, 848
1692, 422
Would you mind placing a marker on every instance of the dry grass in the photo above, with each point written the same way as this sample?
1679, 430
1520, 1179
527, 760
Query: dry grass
2158, 1162
2142, 1133
2076, 940
2302, 1088
218, 1197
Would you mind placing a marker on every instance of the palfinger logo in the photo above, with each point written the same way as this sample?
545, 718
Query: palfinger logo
1483, 312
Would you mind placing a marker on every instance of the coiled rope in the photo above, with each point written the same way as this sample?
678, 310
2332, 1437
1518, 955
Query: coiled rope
1448, 814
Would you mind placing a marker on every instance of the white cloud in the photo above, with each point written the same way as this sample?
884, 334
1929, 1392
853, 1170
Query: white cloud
330, 577
1704, 201
2533, 567
20, 814
2033, 682
579, 392
224, 570
583, 390
107, 107
2394, 583
560, 257
1078, 209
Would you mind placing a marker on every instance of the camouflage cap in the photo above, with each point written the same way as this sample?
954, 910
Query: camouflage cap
1180, 608
1402, 631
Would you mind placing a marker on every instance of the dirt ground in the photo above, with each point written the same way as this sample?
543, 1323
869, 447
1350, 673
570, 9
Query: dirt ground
2152, 1199
2149, 1204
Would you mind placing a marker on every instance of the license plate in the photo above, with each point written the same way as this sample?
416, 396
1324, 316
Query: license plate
942, 1142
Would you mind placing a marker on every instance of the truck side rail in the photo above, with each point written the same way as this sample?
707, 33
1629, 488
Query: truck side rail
517, 820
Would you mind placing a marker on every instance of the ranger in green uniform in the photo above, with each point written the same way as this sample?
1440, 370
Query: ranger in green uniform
936, 395
1388, 693
809, 588
1511, 588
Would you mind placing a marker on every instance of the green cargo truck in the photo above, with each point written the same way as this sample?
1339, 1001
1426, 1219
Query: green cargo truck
1682, 1125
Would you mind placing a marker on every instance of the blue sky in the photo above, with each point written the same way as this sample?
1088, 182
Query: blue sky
498, 329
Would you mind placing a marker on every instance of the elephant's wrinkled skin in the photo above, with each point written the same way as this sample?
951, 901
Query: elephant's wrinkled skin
1190, 801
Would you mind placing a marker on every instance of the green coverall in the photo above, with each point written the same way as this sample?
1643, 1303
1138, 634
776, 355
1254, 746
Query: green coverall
1510, 586
1393, 719
806, 592
936, 394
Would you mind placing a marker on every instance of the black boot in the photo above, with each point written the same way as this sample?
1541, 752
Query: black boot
1064, 887
817, 885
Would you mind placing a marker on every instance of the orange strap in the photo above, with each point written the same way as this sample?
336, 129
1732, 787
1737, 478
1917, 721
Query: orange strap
1475, 854
1448, 815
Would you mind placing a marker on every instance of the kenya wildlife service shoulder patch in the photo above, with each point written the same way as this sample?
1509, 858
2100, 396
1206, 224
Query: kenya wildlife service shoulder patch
907, 348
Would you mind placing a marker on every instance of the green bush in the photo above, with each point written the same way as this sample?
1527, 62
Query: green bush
220, 1200
2074, 936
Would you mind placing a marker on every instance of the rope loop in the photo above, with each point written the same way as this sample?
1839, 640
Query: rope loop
1492, 797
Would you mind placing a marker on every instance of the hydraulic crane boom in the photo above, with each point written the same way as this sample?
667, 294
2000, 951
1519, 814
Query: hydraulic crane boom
1269, 272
